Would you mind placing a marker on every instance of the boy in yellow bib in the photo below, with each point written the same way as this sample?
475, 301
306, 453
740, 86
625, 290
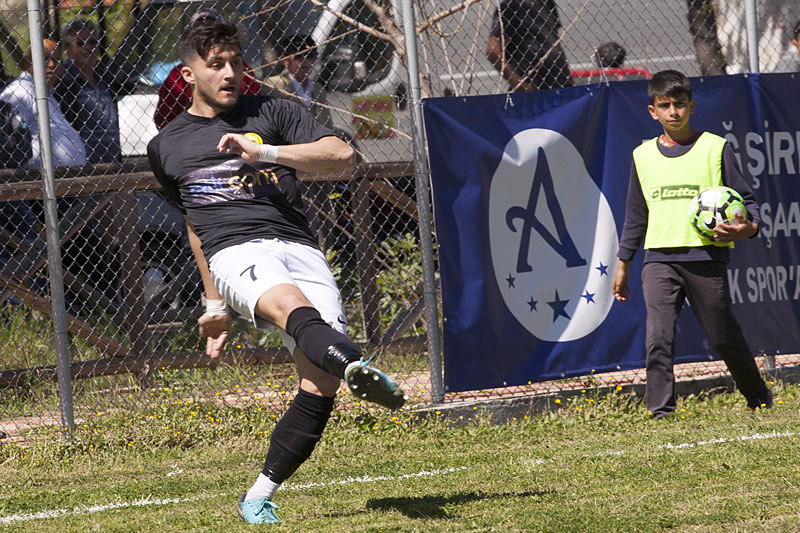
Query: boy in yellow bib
679, 264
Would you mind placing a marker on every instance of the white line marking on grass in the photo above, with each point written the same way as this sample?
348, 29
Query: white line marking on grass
755, 436
90, 509
719, 440
144, 502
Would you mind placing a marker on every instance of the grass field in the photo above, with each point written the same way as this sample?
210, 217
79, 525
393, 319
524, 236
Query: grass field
597, 464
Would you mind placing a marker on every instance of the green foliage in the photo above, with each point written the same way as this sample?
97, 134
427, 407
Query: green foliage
400, 283
25, 337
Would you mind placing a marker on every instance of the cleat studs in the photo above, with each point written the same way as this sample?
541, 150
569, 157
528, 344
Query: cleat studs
364, 395
375, 377
354, 386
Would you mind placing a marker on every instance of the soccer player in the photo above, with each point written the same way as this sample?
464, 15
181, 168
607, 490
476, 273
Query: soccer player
679, 264
229, 164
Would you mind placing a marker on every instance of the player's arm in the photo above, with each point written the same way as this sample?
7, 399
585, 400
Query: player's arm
215, 323
323, 155
633, 232
732, 177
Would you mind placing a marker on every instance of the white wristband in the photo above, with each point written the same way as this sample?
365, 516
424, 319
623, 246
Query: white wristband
268, 153
215, 307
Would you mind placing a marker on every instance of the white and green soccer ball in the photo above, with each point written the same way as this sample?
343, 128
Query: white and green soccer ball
714, 206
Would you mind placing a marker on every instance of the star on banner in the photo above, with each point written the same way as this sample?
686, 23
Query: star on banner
532, 303
558, 306
510, 279
603, 269
589, 297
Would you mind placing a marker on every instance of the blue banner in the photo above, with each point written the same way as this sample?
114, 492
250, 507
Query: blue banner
529, 199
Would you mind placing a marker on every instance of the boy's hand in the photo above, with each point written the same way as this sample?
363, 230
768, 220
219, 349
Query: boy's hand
620, 287
215, 328
240, 145
741, 228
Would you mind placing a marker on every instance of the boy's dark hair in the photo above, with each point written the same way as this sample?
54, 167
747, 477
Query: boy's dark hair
198, 39
669, 83
610, 55
796, 32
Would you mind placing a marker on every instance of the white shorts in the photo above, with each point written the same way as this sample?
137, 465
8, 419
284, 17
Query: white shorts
244, 272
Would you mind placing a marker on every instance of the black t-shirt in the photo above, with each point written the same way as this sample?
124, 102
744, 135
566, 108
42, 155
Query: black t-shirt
530, 29
228, 200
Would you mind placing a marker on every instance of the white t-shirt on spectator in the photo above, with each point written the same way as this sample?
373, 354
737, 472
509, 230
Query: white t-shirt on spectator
68, 148
789, 61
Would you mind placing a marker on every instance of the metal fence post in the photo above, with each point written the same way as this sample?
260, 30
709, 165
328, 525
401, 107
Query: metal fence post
752, 34
423, 205
51, 219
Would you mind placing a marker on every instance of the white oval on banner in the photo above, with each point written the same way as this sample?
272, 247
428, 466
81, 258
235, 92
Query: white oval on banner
552, 236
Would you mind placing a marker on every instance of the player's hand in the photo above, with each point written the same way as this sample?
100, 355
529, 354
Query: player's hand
619, 286
741, 228
239, 144
215, 329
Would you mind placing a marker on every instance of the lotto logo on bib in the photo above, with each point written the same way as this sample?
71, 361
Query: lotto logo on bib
553, 237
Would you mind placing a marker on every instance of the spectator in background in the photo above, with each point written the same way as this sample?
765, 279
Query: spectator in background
523, 45
773, 31
84, 96
295, 82
175, 94
18, 222
610, 55
702, 17
68, 148
609, 63
790, 60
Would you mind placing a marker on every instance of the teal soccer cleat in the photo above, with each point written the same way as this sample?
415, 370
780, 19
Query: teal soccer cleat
257, 511
370, 384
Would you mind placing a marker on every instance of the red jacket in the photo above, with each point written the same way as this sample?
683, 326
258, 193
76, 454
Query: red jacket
175, 95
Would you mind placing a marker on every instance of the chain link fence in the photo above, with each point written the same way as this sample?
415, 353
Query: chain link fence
131, 288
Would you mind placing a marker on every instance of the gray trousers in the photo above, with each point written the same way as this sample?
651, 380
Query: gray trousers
705, 285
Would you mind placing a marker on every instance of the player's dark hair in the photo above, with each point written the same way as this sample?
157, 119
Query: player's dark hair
668, 83
796, 29
199, 38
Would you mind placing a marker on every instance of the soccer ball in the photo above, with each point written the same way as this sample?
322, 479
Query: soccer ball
714, 206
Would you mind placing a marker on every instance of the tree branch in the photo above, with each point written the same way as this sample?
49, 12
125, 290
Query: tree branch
352, 21
444, 14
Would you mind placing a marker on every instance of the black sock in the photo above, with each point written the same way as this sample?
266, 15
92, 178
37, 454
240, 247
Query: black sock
296, 435
323, 345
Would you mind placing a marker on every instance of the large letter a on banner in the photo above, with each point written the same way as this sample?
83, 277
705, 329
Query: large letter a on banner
563, 245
